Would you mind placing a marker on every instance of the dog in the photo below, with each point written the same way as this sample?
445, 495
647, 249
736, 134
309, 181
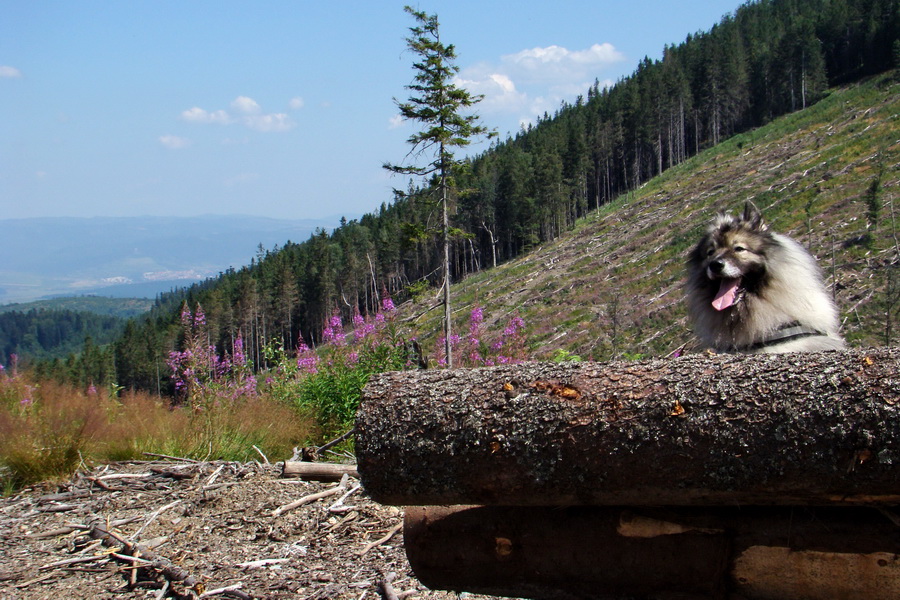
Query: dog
751, 290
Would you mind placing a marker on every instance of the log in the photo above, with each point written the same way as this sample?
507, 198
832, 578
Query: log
791, 429
756, 553
317, 471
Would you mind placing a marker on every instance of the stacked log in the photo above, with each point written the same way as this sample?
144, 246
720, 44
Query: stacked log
704, 476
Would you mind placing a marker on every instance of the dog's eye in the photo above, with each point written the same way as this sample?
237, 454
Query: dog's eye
710, 252
739, 249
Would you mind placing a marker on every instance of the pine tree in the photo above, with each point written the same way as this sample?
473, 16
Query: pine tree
437, 103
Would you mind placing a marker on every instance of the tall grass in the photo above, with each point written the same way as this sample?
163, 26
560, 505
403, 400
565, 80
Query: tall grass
47, 430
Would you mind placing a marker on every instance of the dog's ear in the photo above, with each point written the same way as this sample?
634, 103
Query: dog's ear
752, 217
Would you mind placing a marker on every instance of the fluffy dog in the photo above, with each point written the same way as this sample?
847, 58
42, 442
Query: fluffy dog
752, 290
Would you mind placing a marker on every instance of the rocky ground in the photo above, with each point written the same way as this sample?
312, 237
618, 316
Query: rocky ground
201, 529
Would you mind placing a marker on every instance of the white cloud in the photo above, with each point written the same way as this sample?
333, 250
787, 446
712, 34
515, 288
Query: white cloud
9, 72
174, 142
198, 115
296, 103
395, 122
499, 91
269, 123
533, 81
246, 105
555, 63
244, 110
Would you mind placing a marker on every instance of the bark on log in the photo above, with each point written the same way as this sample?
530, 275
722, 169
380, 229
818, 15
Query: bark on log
756, 553
317, 471
788, 429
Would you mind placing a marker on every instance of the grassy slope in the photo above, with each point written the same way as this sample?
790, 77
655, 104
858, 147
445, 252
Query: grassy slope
613, 287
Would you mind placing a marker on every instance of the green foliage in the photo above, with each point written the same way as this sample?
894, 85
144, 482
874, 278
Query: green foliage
561, 355
329, 383
873, 208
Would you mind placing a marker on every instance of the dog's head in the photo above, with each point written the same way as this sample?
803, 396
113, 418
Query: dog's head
730, 260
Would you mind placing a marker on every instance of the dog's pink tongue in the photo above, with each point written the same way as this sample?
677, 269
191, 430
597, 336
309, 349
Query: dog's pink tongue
727, 293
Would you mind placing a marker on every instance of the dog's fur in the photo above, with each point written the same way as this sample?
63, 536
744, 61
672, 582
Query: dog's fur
752, 290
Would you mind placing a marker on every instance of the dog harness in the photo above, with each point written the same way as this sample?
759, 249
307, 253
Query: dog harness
785, 333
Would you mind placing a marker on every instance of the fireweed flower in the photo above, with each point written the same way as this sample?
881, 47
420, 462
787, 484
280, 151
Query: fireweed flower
334, 331
239, 357
387, 304
199, 317
307, 360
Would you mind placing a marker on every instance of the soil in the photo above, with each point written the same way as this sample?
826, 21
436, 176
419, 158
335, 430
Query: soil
205, 526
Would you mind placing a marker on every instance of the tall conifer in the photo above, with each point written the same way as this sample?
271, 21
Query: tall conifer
437, 104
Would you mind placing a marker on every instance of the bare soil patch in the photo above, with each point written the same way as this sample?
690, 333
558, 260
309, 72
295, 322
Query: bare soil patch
204, 526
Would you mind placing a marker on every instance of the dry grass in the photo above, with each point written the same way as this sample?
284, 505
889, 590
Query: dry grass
47, 430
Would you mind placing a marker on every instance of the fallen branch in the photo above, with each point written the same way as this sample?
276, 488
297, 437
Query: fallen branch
153, 517
215, 474
336, 441
264, 562
339, 506
311, 498
264, 457
311, 471
382, 540
25, 584
231, 590
385, 587
166, 456
127, 551
72, 561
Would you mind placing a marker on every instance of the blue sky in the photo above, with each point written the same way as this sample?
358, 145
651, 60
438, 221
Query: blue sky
278, 109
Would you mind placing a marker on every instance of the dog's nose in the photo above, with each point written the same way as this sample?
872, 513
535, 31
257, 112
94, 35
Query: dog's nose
717, 266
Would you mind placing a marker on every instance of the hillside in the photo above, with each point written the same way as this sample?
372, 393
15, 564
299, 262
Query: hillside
100, 305
827, 175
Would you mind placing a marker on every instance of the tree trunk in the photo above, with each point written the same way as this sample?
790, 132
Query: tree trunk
813, 428
448, 345
751, 553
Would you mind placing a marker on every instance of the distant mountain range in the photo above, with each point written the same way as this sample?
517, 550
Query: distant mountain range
132, 256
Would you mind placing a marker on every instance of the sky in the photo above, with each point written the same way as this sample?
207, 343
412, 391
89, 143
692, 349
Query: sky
282, 109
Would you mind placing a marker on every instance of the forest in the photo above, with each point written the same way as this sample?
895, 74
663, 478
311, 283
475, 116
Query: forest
42, 334
768, 58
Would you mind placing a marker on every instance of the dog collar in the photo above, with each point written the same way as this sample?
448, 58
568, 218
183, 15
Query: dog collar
785, 333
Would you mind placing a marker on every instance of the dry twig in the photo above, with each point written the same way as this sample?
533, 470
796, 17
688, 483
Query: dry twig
382, 540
